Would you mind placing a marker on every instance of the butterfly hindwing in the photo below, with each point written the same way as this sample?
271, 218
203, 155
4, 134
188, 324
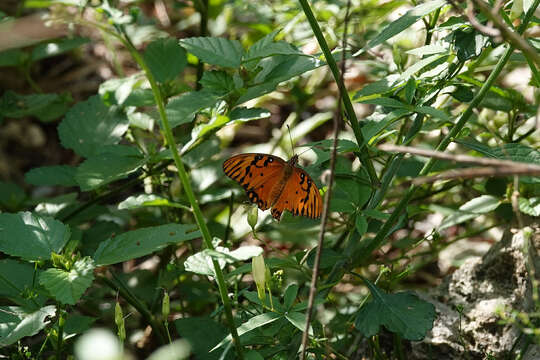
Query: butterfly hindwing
257, 174
300, 196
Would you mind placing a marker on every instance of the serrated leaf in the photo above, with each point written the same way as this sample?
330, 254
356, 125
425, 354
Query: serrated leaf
277, 69
90, 125
182, 109
252, 324
530, 206
114, 163
68, 286
215, 51
165, 58
58, 47
402, 313
31, 237
17, 284
18, 322
266, 47
405, 21
137, 243
201, 263
62, 175
470, 210
218, 82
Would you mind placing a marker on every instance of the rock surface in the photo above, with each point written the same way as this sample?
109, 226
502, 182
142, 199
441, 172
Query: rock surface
468, 303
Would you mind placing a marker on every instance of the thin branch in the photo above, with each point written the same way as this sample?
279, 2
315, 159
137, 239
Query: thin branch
477, 172
326, 208
458, 158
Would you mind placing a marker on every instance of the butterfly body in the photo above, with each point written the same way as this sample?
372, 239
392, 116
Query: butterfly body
271, 182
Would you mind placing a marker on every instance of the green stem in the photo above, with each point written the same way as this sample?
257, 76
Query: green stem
362, 153
125, 292
61, 321
400, 207
203, 5
189, 191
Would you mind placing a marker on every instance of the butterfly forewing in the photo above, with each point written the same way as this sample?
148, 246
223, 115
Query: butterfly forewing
257, 173
300, 196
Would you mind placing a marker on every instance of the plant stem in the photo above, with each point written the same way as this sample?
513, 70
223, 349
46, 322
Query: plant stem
203, 4
118, 285
351, 115
61, 321
184, 179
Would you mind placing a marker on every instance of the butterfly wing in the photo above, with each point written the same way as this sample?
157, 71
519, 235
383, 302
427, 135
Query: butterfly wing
257, 174
300, 196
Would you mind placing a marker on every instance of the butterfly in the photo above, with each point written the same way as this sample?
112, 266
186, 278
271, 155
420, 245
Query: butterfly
271, 182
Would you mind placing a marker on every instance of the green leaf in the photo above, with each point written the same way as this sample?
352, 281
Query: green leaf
17, 284
215, 51
404, 22
379, 87
143, 200
12, 196
266, 47
201, 263
18, 322
427, 50
68, 286
49, 49
298, 320
31, 237
45, 107
361, 224
90, 125
137, 243
468, 43
470, 210
77, 324
512, 151
530, 206
386, 102
419, 65
290, 296
182, 109
252, 324
141, 120
402, 313
165, 58
202, 333
62, 175
114, 163
277, 69
436, 113
329, 258
243, 114
218, 82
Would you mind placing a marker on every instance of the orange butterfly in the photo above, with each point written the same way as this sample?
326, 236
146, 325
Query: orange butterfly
272, 182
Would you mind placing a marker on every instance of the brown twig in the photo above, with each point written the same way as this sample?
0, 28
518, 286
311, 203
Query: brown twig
493, 167
327, 197
504, 30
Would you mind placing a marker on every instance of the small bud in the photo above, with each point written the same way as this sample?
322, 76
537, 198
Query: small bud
119, 320
258, 269
253, 216
165, 306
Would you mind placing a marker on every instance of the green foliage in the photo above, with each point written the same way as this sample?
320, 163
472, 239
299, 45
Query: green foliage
403, 313
131, 211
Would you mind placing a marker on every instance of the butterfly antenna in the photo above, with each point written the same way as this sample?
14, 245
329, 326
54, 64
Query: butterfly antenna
290, 138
